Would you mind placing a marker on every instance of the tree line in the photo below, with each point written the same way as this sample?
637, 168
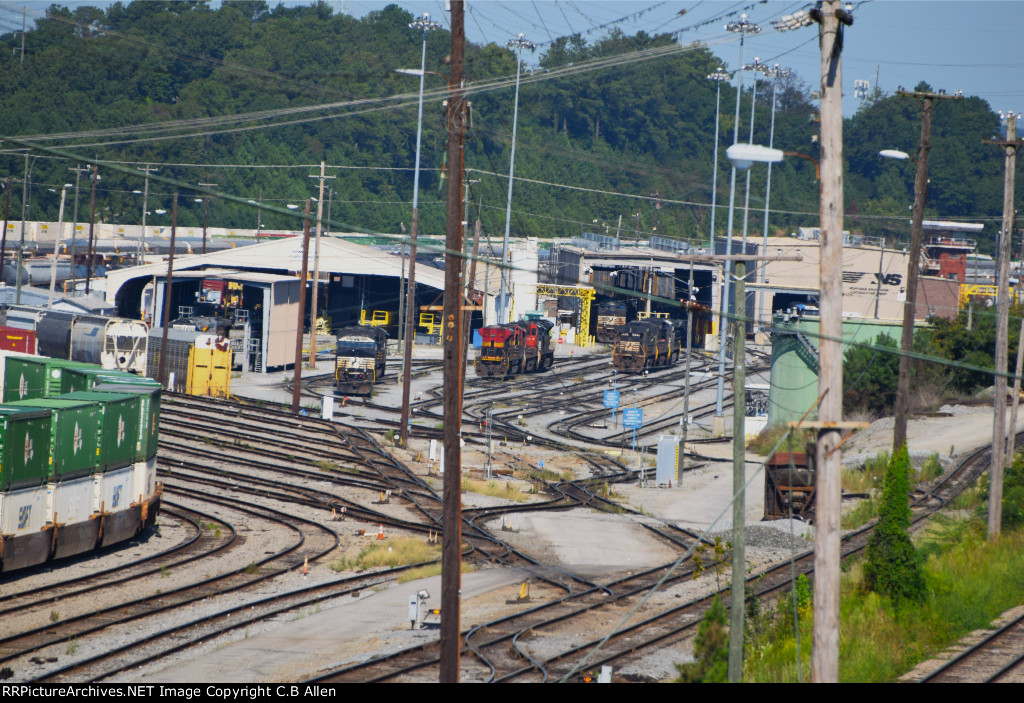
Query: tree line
626, 149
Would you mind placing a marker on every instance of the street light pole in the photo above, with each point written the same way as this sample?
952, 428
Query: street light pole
776, 73
56, 243
743, 27
519, 43
718, 76
423, 24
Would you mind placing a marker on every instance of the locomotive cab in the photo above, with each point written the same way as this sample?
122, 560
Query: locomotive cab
361, 358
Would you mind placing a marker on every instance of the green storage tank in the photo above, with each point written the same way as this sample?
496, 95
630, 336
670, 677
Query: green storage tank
150, 396
34, 377
120, 443
794, 371
24, 447
74, 434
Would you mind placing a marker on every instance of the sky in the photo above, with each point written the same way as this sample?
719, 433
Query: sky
961, 45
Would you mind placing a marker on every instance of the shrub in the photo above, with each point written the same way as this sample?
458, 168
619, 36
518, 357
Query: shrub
894, 566
711, 648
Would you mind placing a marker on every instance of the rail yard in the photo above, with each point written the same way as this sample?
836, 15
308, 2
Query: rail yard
265, 514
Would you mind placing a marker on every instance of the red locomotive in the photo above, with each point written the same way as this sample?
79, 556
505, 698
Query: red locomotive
517, 347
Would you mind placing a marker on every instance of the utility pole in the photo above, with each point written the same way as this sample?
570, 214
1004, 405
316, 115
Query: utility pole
92, 225
999, 458
316, 267
259, 216
296, 381
825, 654
737, 600
3, 235
451, 577
899, 435
206, 207
145, 212
24, 216
74, 227
162, 369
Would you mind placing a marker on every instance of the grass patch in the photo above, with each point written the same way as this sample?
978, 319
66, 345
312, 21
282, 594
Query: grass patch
763, 443
970, 581
931, 469
423, 572
544, 475
399, 551
861, 514
494, 489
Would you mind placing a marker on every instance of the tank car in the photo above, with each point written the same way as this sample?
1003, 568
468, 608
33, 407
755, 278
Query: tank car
111, 342
79, 468
645, 345
360, 360
517, 347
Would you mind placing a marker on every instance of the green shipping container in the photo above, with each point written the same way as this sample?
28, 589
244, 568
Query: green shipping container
24, 447
74, 434
34, 377
120, 443
85, 378
150, 395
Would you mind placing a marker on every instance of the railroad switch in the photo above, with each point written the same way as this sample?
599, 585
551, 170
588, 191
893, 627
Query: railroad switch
523, 597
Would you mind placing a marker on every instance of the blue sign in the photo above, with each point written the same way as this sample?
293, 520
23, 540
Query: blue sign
633, 417
611, 399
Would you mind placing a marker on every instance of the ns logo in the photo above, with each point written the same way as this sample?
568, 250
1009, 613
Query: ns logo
889, 279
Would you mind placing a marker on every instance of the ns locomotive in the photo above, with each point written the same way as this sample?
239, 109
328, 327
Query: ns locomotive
649, 344
361, 359
517, 347
78, 448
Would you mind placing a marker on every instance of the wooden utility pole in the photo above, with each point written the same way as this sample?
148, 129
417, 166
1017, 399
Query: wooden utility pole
451, 332
825, 653
902, 410
162, 369
316, 266
739, 478
3, 235
296, 381
999, 457
92, 226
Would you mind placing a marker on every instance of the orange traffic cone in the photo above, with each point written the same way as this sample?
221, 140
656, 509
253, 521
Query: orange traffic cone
380, 532
305, 567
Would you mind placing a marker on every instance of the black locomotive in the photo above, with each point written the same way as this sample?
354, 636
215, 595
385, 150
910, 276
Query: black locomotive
361, 359
649, 344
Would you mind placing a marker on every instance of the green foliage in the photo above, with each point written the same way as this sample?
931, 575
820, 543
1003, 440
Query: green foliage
971, 580
869, 379
1013, 494
711, 648
950, 339
894, 567
716, 560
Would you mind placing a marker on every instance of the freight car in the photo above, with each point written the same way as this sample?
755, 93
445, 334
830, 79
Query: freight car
361, 358
111, 342
647, 345
517, 347
79, 467
198, 363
